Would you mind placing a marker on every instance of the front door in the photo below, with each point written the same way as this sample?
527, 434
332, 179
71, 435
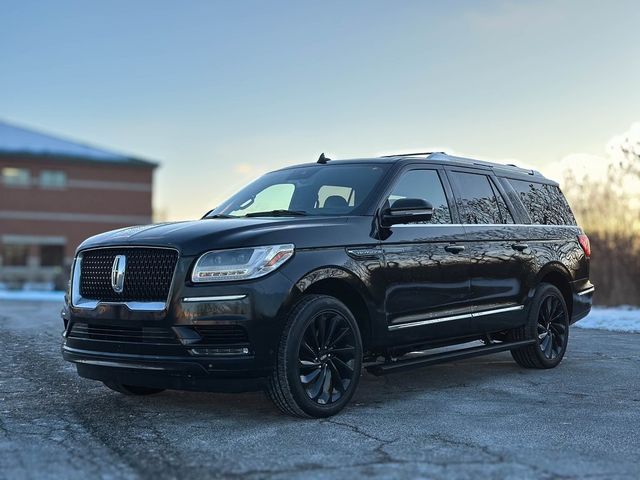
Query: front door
426, 265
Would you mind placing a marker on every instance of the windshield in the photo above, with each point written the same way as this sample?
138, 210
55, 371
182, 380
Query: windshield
312, 190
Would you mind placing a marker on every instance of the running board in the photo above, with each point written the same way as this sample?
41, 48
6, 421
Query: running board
433, 359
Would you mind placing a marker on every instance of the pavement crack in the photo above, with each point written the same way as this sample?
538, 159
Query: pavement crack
385, 456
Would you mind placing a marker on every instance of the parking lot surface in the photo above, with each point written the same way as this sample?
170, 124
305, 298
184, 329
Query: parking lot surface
479, 417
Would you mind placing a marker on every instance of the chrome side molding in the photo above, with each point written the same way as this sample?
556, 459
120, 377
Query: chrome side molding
454, 317
219, 298
588, 290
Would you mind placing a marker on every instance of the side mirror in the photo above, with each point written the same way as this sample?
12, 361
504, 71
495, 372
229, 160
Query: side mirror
407, 210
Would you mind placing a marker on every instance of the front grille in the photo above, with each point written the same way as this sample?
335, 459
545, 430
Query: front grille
110, 333
222, 335
148, 274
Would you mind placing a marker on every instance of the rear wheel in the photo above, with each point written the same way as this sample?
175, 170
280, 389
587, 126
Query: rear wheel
132, 389
319, 359
548, 323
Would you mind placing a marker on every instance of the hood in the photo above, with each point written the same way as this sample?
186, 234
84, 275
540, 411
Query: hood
195, 237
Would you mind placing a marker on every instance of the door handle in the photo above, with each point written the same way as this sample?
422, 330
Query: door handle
520, 247
454, 248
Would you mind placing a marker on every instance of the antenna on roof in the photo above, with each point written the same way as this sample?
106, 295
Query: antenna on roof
323, 159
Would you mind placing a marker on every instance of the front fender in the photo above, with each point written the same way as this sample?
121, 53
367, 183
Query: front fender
333, 272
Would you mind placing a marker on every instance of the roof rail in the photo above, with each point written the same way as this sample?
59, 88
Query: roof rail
409, 154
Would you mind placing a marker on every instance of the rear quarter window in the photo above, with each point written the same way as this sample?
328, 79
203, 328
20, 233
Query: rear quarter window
545, 203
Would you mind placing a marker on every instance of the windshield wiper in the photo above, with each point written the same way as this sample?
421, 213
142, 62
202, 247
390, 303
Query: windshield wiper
218, 215
277, 213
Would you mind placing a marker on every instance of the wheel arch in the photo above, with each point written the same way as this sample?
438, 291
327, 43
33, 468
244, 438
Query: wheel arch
557, 275
346, 287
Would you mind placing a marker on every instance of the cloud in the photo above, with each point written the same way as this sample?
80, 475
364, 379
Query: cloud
628, 144
587, 167
580, 166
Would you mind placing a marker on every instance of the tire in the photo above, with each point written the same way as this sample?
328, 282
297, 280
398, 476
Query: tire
132, 389
309, 380
548, 323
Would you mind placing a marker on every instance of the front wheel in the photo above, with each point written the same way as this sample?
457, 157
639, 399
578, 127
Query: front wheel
548, 323
319, 359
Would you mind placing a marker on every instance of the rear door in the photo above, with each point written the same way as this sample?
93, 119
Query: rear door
500, 260
426, 266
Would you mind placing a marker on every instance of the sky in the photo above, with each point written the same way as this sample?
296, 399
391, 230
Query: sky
220, 92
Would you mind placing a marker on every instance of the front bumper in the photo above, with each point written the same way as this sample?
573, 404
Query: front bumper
178, 373
212, 338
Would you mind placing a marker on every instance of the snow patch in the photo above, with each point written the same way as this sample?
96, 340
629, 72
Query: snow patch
614, 319
32, 296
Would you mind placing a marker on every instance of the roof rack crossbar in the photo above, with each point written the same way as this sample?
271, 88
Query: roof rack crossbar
408, 154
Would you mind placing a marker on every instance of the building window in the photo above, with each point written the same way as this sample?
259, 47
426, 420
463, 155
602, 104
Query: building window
51, 255
14, 255
53, 179
16, 177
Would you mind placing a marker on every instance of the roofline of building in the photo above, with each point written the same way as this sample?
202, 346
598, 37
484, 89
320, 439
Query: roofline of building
124, 162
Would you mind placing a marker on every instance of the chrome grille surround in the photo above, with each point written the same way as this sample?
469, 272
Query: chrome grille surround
89, 294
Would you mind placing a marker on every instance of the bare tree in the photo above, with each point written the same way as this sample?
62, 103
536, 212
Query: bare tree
609, 209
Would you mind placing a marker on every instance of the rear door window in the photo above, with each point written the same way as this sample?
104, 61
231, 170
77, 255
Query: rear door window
545, 204
502, 205
478, 200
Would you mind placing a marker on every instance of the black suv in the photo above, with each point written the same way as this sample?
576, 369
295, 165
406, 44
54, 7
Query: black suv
315, 271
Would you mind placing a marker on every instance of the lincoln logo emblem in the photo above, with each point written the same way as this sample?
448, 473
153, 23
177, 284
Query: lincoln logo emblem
117, 273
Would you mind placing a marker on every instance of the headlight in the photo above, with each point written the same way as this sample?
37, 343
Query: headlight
240, 263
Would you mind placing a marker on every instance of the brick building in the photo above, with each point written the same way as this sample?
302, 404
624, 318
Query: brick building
54, 193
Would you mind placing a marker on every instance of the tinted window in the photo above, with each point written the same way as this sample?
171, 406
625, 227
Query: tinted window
424, 184
477, 200
502, 205
545, 204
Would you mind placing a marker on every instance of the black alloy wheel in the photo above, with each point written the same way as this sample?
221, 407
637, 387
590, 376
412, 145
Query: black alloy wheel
548, 324
326, 358
552, 327
319, 359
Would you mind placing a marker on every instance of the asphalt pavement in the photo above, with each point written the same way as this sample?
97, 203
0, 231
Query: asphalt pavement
478, 418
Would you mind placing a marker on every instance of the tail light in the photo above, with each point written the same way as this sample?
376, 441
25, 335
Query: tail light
585, 244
